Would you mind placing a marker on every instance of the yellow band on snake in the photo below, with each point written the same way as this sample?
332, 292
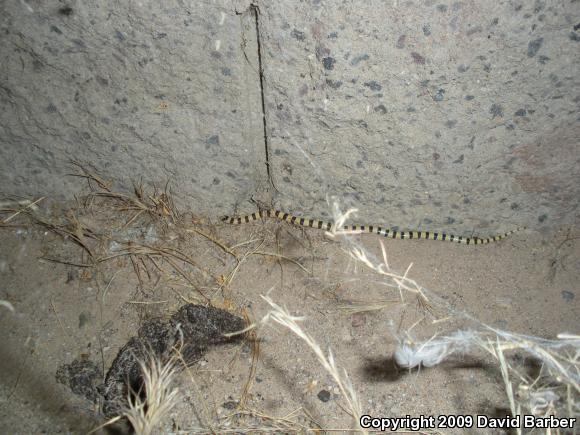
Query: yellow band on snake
371, 229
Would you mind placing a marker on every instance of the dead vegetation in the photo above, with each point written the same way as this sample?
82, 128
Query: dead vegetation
145, 230
107, 226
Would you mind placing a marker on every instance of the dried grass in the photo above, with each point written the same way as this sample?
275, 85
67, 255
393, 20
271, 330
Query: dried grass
281, 316
146, 410
555, 391
146, 414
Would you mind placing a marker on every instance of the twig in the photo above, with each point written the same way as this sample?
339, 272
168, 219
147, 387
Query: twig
216, 241
253, 337
31, 205
70, 263
57, 317
272, 254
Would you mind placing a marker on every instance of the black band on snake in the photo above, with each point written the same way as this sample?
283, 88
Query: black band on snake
371, 229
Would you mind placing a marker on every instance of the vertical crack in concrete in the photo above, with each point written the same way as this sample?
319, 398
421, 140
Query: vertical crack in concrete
256, 13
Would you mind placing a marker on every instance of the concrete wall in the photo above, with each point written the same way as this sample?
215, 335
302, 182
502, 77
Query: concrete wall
158, 90
446, 115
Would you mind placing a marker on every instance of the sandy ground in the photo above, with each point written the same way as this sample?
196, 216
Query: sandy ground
526, 284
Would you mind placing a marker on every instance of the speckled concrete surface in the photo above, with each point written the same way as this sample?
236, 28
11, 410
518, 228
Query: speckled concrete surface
449, 115
138, 89
456, 115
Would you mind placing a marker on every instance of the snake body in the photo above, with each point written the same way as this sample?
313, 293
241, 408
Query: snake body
371, 229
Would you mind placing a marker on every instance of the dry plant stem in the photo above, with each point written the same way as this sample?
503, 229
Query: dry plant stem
77, 235
156, 204
240, 261
105, 424
58, 318
214, 240
560, 367
7, 205
151, 257
168, 254
281, 316
24, 209
133, 218
160, 399
283, 257
187, 278
384, 252
187, 369
70, 263
104, 295
252, 338
247, 242
89, 176
183, 298
171, 281
364, 307
553, 360
277, 423
6, 305
165, 252
507, 382
136, 269
146, 414
312, 419
133, 203
403, 283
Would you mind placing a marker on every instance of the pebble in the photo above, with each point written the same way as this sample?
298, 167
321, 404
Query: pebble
567, 295
324, 395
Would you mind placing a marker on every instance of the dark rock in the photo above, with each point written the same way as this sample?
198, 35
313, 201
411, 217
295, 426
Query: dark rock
192, 330
373, 85
81, 377
297, 34
401, 41
417, 58
356, 60
328, 63
534, 46
496, 110
230, 405
324, 395
380, 109
334, 84
213, 140
66, 11
543, 59
439, 96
